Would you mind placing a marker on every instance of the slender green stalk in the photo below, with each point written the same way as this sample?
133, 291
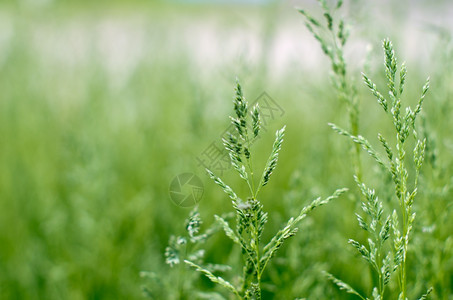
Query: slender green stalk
333, 34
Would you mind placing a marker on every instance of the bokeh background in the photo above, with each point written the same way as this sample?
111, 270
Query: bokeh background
103, 103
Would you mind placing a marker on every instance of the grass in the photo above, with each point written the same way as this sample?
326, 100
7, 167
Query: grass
87, 158
250, 217
384, 262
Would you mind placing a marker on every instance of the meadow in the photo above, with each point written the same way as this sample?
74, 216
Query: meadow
103, 104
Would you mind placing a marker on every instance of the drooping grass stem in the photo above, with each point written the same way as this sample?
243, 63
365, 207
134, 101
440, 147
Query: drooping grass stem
396, 166
332, 34
250, 217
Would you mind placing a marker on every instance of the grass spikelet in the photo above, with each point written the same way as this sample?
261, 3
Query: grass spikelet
342, 285
273, 158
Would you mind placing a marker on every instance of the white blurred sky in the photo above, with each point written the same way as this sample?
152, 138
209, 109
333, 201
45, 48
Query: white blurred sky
212, 37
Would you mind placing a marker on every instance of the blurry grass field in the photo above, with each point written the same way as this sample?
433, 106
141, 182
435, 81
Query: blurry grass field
101, 108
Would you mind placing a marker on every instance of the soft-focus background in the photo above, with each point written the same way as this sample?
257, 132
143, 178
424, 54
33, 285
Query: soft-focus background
103, 103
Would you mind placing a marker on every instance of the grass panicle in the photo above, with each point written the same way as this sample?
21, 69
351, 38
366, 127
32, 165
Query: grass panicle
332, 35
343, 286
188, 246
250, 216
376, 253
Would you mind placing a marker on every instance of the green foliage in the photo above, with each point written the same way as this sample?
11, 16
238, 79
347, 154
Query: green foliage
379, 230
180, 249
332, 35
250, 217
102, 106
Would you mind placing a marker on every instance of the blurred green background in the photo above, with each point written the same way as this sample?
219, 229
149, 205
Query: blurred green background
103, 103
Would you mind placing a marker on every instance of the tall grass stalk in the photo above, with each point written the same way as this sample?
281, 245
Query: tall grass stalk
250, 216
332, 35
397, 166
